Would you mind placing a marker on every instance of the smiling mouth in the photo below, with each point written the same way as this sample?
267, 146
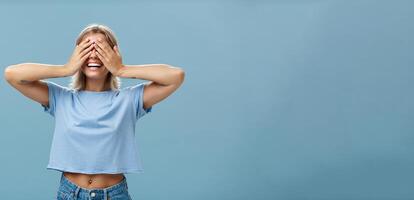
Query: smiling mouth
94, 65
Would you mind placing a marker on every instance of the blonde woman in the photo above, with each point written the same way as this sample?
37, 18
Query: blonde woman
93, 142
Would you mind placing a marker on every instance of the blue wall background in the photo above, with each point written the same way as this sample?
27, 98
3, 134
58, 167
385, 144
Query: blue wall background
282, 99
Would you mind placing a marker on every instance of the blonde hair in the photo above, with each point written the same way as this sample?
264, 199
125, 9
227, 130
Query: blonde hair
78, 81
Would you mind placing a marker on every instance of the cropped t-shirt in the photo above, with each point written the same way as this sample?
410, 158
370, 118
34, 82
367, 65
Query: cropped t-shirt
95, 131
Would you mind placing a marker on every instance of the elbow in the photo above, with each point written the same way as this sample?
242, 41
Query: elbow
180, 74
177, 74
9, 73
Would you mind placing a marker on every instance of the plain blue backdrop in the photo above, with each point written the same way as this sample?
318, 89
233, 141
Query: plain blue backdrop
282, 99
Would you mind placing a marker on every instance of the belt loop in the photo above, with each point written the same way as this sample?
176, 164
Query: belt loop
75, 194
105, 194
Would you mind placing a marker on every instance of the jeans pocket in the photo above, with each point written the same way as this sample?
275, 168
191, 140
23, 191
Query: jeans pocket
62, 195
120, 196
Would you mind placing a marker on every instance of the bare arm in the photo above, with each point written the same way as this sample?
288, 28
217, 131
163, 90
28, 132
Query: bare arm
25, 77
164, 80
28, 72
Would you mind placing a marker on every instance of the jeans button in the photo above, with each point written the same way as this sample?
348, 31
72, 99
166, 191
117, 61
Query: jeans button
93, 194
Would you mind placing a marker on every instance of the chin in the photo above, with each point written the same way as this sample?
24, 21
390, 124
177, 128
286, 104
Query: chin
95, 74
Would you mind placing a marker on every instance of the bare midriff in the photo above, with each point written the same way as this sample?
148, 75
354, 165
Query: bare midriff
94, 181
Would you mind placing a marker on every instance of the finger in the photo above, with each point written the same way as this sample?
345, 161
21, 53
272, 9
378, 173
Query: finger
101, 48
101, 57
116, 49
83, 58
85, 45
101, 51
85, 51
104, 45
82, 42
80, 49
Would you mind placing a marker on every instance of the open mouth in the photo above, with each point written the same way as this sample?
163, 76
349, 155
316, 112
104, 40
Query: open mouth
94, 65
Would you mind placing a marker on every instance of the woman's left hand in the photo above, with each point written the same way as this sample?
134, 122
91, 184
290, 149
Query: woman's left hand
111, 58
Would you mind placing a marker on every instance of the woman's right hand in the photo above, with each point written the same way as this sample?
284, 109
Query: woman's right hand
79, 55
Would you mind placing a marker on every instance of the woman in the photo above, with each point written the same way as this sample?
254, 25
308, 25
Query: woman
93, 142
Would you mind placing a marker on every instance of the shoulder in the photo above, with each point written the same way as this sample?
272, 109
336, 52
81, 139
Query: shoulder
135, 89
56, 87
135, 86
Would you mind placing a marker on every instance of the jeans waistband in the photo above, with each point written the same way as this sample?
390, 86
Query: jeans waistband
75, 190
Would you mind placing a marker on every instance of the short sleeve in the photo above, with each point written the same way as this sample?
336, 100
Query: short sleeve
138, 94
55, 92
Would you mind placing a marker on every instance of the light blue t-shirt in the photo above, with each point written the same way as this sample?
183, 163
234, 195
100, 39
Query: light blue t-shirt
95, 131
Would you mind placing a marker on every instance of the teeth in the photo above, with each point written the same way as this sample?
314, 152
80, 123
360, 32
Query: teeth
93, 65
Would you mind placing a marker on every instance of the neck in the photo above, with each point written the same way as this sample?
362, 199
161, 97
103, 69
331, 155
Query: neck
96, 85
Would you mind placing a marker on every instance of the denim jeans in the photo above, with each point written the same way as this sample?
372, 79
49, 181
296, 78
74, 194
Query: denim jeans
70, 191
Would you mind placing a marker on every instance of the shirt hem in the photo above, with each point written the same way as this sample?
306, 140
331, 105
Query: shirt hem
65, 169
